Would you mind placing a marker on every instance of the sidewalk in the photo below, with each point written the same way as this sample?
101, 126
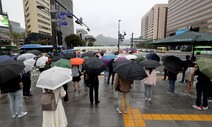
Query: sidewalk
164, 110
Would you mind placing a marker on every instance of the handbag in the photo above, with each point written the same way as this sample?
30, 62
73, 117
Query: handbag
48, 102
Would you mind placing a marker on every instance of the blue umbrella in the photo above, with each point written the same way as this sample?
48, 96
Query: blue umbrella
109, 57
5, 57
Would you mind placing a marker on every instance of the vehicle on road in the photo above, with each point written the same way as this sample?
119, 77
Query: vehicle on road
203, 50
161, 49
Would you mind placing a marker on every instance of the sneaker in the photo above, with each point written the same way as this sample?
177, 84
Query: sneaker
125, 111
13, 116
146, 99
150, 99
22, 114
197, 107
204, 108
119, 111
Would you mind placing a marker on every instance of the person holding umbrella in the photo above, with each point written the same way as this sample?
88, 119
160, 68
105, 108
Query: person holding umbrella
172, 77
202, 87
123, 87
111, 72
14, 88
149, 82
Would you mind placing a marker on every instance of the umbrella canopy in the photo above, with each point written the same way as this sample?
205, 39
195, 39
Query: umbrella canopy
41, 62
54, 77
205, 66
139, 58
109, 57
89, 54
121, 58
5, 57
152, 56
29, 64
62, 63
150, 63
172, 63
26, 56
77, 61
35, 52
130, 57
94, 65
68, 56
10, 69
56, 58
129, 70
187, 38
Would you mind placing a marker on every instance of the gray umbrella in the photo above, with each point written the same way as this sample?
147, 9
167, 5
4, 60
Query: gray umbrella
150, 63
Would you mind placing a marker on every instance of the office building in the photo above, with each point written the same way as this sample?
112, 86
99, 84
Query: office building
185, 15
153, 23
38, 20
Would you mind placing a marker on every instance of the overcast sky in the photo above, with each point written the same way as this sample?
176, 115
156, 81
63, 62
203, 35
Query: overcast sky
101, 16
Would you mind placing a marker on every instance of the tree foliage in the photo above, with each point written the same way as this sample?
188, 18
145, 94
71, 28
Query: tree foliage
73, 40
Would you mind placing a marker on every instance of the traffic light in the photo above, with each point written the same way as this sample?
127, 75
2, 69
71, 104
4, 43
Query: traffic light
59, 37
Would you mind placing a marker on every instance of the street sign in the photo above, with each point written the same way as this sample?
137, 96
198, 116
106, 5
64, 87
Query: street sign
63, 23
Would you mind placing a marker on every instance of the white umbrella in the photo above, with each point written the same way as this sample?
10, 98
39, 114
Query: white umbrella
130, 57
41, 62
26, 56
29, 64
54, 77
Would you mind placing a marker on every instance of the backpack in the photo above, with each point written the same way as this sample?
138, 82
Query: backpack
48, 102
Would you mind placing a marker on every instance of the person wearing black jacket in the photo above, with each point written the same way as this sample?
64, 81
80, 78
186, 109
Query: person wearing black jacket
93, 83
172, 77
202, 87
26, 79
111, 72
14, 89
187, 63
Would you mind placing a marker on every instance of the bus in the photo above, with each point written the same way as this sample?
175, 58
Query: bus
161, 49
41, 48
203, 50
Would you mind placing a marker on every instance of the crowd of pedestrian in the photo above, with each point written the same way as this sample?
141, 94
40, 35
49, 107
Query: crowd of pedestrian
22, 85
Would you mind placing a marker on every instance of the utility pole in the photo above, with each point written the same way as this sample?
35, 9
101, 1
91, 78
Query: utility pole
132, 45
119, 36
53, 25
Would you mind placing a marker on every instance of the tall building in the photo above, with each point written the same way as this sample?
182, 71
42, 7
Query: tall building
16, 27
38, 20
195, 15
153, 23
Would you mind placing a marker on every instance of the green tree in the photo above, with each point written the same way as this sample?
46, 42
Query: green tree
42, 42
90, 44
73, 40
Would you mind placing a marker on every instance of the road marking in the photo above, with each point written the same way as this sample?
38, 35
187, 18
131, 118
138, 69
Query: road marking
134, 118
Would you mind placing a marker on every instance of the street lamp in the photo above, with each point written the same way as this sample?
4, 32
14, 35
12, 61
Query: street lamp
118, 36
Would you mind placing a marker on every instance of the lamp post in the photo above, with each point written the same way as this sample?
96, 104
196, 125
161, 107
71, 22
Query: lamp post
118, 36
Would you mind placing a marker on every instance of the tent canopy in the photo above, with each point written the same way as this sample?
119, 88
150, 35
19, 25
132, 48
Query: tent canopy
187, 39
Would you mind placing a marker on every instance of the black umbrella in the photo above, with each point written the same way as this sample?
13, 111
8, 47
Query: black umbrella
152, 56
172, 63
129, 70
56, 58
68, 56
89, 54
10, 69
93, 65
150, 63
